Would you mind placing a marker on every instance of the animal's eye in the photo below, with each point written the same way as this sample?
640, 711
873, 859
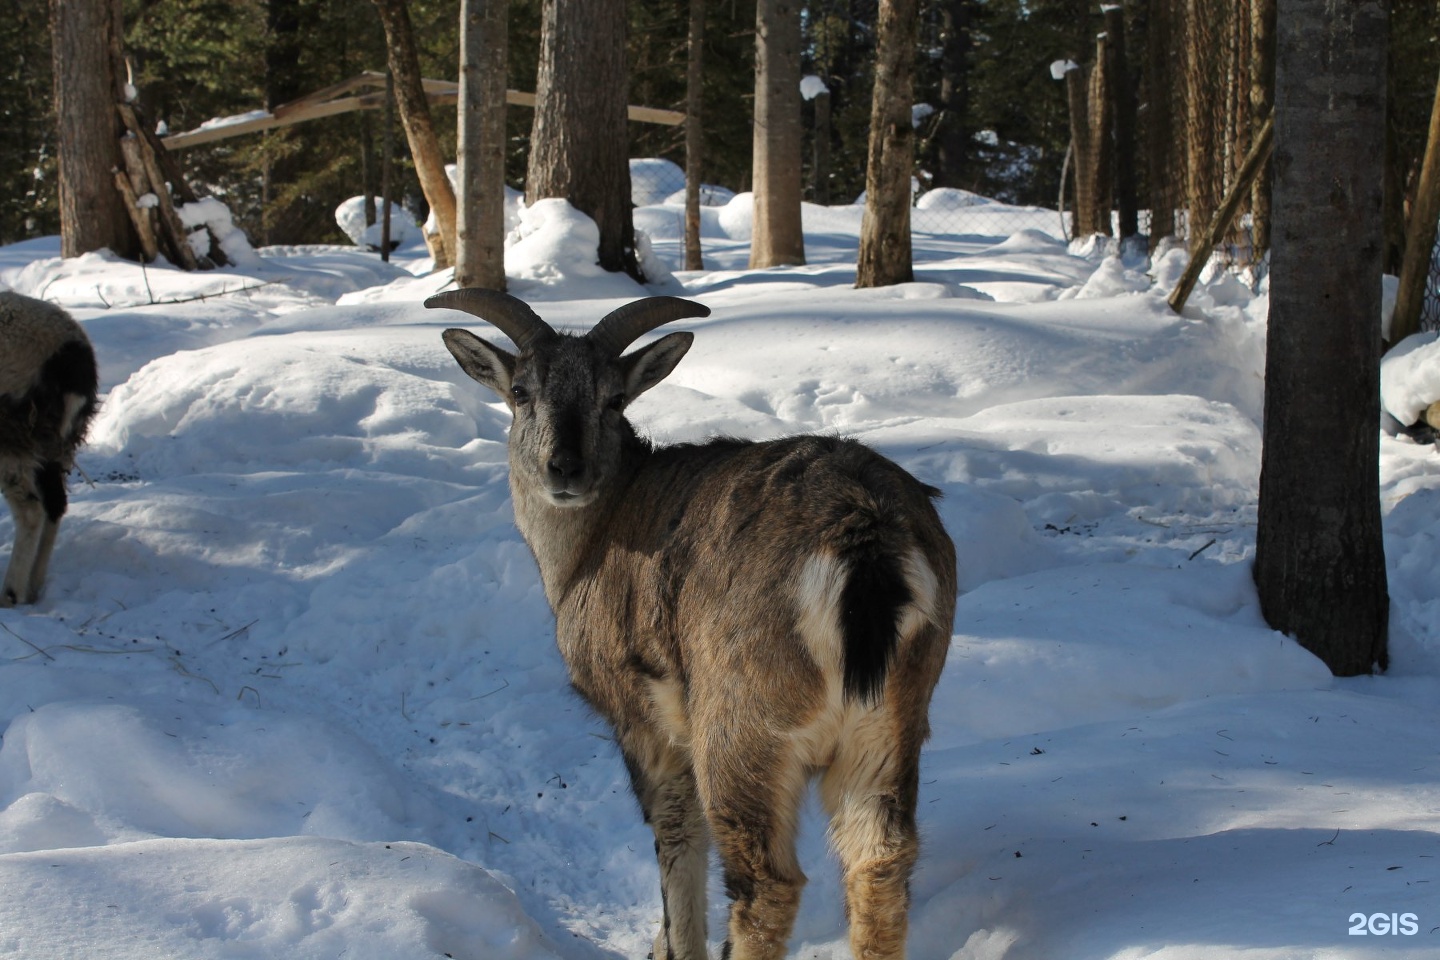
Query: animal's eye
519, 394
617, 402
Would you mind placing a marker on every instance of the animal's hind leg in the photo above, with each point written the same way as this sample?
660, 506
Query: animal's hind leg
665, 786
752, 799
871, 793
20, 584
50, 484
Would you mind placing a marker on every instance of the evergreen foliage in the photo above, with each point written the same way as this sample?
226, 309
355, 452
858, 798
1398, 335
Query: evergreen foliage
28, 203
198, 59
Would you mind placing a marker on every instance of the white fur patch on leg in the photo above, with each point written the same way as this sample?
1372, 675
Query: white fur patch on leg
924, 589
817, 602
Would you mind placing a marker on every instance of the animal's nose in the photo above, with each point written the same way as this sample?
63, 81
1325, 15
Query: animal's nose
565, 466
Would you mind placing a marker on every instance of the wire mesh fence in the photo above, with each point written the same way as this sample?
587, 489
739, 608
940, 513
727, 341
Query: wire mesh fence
1430, 305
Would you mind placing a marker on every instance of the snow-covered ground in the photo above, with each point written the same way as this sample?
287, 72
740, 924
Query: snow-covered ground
292, 691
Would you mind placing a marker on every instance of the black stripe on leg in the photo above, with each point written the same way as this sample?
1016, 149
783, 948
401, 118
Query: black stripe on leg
50, 482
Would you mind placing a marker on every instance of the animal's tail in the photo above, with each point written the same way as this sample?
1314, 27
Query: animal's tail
872, 605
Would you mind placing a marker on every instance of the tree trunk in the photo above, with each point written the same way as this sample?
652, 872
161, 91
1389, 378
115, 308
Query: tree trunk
1204, 164
778, 238
1102, 143
1419, 236
820, 153
580, 139
885, 256
1122, 107
694, 134
480, 220
1262, 101
1160, 126
387, 166
88, 85
1319, 558
952, 136
419, 128
1083, 221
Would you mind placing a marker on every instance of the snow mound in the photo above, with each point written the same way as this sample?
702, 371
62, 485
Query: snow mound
711, 195
950, 198
350, 217
737, 218
296, 897
554, 253
120, 772
1113, 279
208, 218
652, 179
1085, 635
313, 400
1410, 376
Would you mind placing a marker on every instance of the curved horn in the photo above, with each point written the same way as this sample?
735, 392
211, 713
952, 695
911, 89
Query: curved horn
624, 326
512, 315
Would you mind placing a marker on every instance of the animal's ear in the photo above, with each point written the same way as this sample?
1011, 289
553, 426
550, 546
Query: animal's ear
484, 362
652, 363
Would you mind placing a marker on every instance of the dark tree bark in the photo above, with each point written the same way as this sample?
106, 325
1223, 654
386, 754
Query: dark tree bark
1102, 143
89, 78
694, 133
951, 140
1320, 562
480, 219
778, 239
285, 41
1161, 126
885, 254
1262, 101
580, 139
1084, 221
820, 149
1122, 108
419, 128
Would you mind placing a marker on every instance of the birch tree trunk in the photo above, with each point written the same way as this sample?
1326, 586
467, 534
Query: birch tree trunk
885, 254
778, 239
1319, 556
480, 219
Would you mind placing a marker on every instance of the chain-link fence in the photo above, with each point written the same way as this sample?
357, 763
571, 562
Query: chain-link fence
1430, 305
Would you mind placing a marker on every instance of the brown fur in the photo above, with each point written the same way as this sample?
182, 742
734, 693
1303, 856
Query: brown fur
47, 397
698, 593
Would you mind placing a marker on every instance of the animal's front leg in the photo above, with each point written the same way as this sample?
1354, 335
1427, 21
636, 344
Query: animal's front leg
20, 586
665, 786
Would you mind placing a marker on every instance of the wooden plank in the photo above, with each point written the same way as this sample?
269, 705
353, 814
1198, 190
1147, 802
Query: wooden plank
320, 104
169, 218
148, 244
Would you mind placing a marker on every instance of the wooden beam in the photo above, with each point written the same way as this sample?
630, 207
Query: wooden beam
332, 101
